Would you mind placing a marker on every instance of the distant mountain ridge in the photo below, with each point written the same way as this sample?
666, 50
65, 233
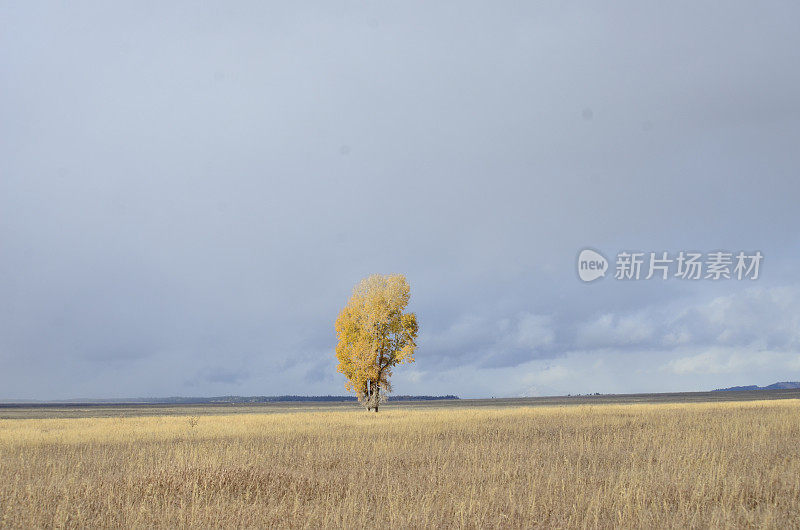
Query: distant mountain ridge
784, 385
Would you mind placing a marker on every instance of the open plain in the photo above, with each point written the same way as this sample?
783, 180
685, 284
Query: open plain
492, 463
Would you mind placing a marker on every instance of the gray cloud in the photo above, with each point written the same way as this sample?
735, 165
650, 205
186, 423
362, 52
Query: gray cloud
753, 317
502, 342
219, 374
186, 189
750, 321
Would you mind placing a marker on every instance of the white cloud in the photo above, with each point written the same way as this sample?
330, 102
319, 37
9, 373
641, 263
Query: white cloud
613, 330
756, 318
720, 335
414, 376
722, 360
546, 376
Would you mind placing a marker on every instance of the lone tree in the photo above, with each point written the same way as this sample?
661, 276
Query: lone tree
375, 336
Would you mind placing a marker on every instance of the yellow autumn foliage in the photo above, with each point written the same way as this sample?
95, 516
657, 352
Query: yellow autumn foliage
375, 335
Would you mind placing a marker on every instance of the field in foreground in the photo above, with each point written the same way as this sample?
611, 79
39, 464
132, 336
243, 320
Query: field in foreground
653, 466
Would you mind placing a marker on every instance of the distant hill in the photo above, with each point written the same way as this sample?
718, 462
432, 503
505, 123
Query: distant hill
785, 385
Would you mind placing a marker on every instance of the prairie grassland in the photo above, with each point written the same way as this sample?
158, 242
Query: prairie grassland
648, 466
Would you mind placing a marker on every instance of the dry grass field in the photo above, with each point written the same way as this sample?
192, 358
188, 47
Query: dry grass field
734, 464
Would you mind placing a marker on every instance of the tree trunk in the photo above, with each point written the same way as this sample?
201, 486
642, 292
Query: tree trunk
372, 395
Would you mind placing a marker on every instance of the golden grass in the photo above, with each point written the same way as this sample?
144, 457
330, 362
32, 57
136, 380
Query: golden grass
647, 466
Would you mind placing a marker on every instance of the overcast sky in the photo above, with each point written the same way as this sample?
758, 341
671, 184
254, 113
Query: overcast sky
189, 193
